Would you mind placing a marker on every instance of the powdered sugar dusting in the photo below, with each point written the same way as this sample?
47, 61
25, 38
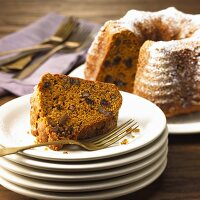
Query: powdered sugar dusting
171, 75
178, 23
171, 72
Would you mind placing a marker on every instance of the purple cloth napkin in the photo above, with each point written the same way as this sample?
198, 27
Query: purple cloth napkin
32, 35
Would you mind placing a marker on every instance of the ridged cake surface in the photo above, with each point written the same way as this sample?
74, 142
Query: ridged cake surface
124, 45
168, 74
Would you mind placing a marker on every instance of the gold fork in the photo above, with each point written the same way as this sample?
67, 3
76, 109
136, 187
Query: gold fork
96, 143
76, 43
25, 54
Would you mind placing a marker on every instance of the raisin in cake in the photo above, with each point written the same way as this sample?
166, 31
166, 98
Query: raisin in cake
66, 107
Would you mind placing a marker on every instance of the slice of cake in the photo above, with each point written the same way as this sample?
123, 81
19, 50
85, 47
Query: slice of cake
65, 107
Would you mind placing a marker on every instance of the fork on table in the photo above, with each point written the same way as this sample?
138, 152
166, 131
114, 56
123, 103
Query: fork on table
96, 143
79, 41
25, 55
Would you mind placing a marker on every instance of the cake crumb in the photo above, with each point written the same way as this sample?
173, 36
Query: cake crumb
124, 141
133, 135
136, 130
65, 152
46, 148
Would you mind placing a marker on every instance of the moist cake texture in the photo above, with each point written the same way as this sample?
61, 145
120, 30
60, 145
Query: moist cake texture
65, 107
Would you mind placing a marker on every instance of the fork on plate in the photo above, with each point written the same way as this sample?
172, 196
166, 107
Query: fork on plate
96, 143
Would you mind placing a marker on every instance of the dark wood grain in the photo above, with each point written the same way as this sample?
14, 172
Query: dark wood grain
15, 14
181, 179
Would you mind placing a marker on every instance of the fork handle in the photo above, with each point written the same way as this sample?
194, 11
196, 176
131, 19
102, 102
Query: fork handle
24, 53
32, 49
11, 150
32, 67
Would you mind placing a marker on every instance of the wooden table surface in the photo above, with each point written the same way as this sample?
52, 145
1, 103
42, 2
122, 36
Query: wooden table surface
181, 179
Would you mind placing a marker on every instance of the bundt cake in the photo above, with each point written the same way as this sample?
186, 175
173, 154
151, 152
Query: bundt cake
168, 69
66, 107
168, 74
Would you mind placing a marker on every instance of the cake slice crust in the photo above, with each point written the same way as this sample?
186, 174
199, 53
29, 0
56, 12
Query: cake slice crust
65, 107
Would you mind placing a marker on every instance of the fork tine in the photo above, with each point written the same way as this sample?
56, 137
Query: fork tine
117, 133
80, 35
63, 31
65, 26
71, 25
61, 34
66, 22
33, 66
87, 42
120, 136
106, 136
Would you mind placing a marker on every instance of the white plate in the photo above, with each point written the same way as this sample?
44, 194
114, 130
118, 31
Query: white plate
82, 176
15, 124
85, 186
91, 165
183, 124
78, 72
104, 194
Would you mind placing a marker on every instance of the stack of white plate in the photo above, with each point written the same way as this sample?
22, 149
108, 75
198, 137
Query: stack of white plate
74, 173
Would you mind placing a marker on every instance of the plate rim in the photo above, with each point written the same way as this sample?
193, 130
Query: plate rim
91, 186
110, 193
185, 128
37, 174
107, 154
107, 164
